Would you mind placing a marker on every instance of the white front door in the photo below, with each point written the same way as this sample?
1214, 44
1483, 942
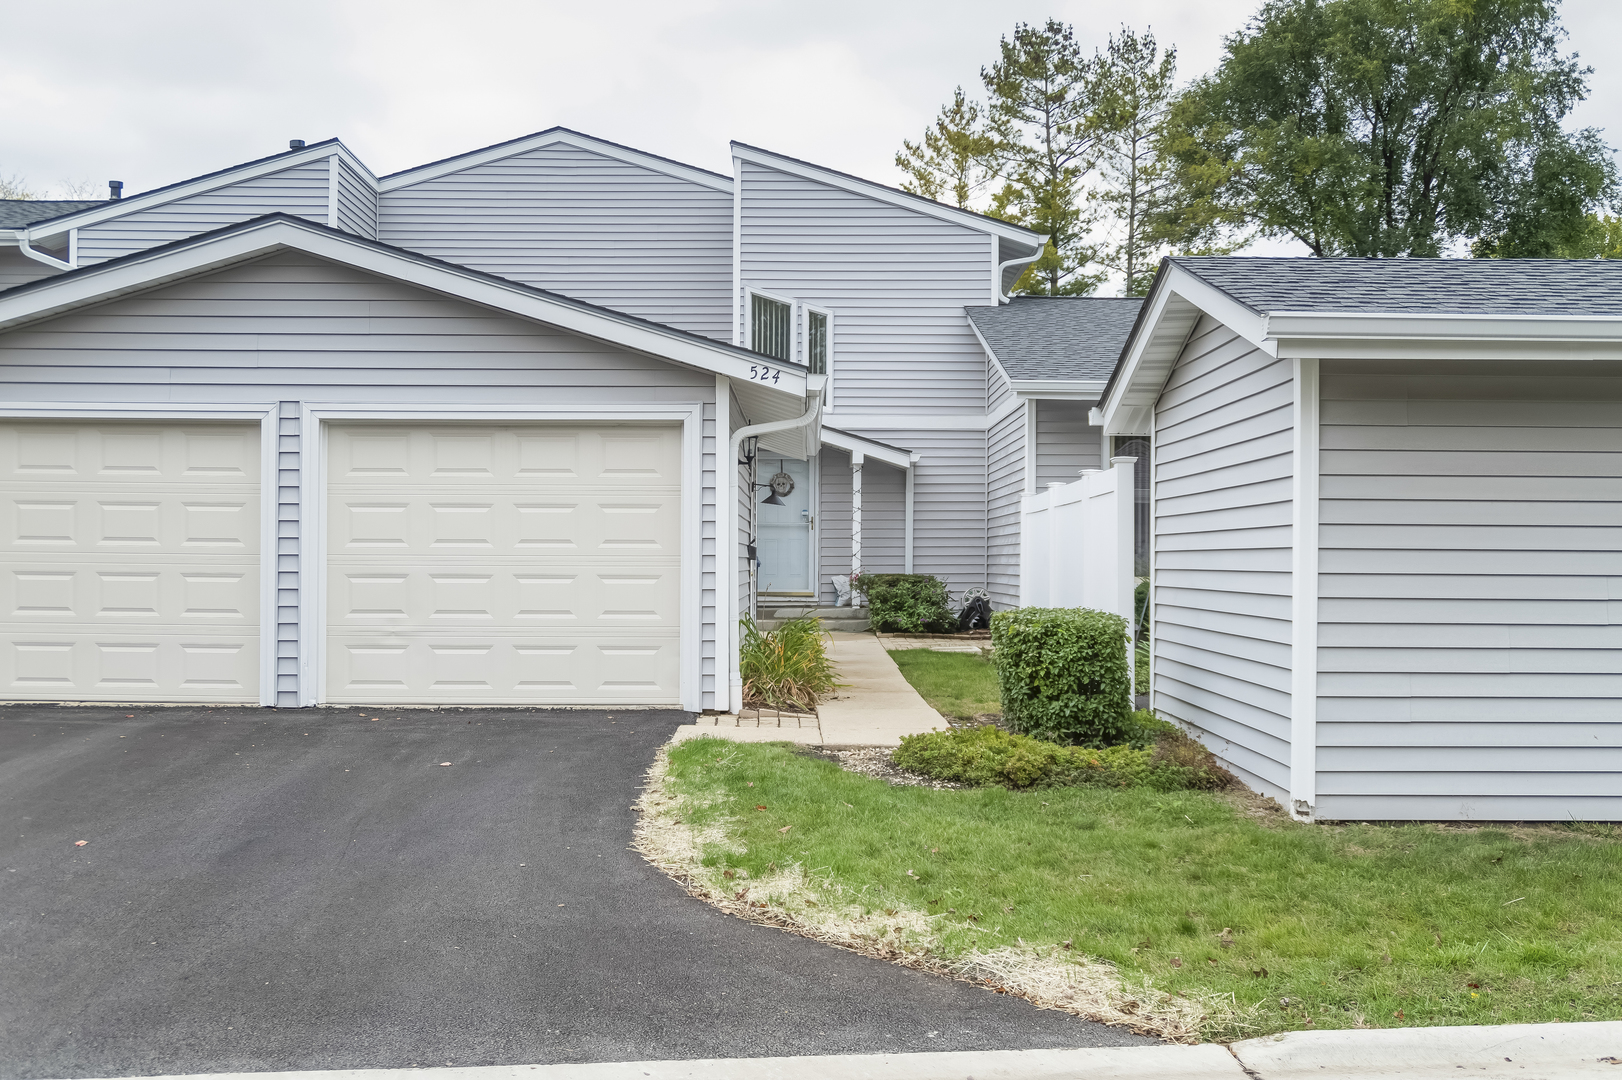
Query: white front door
504, 564
783, 539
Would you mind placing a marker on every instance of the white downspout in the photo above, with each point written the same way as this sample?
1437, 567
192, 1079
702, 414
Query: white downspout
39, 256
733, 696
1002, 293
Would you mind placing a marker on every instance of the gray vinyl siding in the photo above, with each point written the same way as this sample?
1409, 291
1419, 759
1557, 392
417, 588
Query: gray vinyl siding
583, 224
1005, 452
896, 281
18, 269
357, 201
884, 519
997, 388
300, 191
949, 500
1065, 442
1222, 511
1470, 588
231, 337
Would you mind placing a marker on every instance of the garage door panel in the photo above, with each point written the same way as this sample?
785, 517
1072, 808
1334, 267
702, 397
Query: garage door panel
504, 670
130, 555
512, 565
507, 522
129, 667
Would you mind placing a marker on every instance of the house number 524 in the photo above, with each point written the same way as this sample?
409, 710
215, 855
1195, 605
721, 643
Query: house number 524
761, 373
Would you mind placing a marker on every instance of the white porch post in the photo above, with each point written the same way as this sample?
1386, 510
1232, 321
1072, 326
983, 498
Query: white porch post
912, 471
856, 460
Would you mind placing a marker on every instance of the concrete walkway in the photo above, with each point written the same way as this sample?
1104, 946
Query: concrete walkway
1522, 1051
874, 706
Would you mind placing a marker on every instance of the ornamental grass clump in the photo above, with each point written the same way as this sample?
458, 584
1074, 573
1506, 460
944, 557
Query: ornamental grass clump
1063, 674
906, 603
786, 668
990, 757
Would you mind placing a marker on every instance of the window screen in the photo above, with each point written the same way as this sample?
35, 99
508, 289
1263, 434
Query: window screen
816, 342
771, 327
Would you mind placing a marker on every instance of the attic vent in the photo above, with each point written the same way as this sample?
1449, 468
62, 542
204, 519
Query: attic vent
295, 144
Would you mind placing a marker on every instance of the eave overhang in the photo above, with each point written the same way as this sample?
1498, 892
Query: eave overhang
1179, 298
773, 389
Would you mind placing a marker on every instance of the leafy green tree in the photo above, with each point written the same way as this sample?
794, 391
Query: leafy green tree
953, 159
1389, 127
1135, 180
1044, 111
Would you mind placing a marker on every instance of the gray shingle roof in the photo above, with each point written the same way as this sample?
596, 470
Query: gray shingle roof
1057, 337
1420, 286
15, 213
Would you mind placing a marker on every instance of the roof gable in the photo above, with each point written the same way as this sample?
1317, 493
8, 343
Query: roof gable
775, 388
108, 210
433, 170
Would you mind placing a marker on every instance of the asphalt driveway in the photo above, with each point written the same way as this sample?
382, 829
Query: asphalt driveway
267, 890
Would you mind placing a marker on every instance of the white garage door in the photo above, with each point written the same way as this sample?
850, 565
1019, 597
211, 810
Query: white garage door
131, 553
510, 565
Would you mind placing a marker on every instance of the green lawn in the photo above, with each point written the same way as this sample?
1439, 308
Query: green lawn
1204, 894
954, 684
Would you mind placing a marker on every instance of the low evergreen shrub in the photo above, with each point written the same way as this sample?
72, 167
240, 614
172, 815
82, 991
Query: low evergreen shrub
1063, 674
907, 603
786, 668
988, 756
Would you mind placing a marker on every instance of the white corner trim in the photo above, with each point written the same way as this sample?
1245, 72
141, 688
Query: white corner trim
332, 192
552, 137
916, 203
738, 305
1304, 598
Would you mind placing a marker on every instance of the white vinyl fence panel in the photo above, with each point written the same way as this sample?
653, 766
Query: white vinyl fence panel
1076, 543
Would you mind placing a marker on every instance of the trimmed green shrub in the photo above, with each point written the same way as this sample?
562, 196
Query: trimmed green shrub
1063, 674
786, 668
988, 756
907, 603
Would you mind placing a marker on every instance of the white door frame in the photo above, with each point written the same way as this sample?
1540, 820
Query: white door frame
813, 481
315, 426
265, 414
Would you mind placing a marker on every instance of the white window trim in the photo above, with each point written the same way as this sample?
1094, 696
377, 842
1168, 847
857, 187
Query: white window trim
266, 415
805, 347
315, 425
750, 293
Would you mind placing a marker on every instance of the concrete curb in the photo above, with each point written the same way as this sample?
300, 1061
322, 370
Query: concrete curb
1518, 1050
1523, 1051
1104, 1063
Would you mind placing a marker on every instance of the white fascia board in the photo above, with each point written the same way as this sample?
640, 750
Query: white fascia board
879, 192
202, 185
98, 284
434, 171
855, 444
1409, 336
1173, 312
1067, 389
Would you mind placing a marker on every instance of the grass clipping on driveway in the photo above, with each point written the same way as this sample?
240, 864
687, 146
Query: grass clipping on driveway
1185, 915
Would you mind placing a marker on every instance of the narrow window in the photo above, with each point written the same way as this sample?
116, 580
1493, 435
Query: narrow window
816, 342
771, 327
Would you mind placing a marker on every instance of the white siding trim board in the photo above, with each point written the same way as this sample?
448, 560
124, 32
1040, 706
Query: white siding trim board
552, 137
266, 415
317, 418
1304, 585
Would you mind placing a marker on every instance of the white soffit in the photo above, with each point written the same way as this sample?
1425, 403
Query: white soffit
844, 440
784, 388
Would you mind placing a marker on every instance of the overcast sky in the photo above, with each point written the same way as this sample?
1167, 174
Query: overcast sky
160, 90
